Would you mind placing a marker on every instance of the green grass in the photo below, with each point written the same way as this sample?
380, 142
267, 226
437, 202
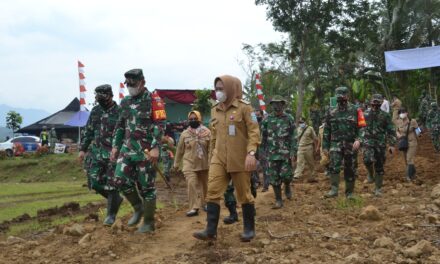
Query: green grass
62, 167
356, 203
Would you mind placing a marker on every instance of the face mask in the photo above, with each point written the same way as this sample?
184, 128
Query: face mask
403, 115
302, 125
221, 96
375, 106
133, 91
194, 124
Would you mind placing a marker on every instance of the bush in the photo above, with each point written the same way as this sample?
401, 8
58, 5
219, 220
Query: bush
3, 155
42, 150
27, 155
18, 149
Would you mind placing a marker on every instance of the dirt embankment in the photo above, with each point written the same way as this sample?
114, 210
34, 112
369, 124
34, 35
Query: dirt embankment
400, 227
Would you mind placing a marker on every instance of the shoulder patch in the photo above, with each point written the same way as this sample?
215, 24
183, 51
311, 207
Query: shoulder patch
245, 102
254, 117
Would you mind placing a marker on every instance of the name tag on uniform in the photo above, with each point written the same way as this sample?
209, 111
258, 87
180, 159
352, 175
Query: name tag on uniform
232, 130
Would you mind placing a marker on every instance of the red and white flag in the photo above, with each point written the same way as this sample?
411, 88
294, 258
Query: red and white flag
82, 87
260, 95
121, 91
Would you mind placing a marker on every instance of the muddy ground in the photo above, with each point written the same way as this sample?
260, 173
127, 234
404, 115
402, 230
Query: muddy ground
309, 229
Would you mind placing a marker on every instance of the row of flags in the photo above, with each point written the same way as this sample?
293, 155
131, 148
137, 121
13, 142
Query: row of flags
83, 90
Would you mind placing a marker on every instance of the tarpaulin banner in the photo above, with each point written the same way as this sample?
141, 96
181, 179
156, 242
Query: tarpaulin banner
411, 59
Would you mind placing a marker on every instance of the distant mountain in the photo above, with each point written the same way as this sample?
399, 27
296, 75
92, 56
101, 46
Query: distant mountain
29, 115
4, 132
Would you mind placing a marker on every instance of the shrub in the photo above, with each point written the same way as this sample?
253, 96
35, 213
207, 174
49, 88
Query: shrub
18, 149
42, 150
3, 155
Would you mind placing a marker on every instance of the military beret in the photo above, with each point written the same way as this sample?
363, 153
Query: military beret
105, 89
278, 98
376, 98
341, 91
134, 74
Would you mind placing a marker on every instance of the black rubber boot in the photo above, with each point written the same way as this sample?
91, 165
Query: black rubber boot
213, 215
334, 181
135, 200
411, 171
114, 201
248, 222
278, 197
349, 189
149, 211
288, 190
233, 216
103, 193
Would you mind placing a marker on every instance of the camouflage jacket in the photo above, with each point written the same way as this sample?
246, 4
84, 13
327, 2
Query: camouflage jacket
99, 129
279, 137
424, 107
135, 130
433, 119
341, 128
379, 131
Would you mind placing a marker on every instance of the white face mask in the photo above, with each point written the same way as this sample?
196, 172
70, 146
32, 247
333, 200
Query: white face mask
133, 91
302, 125
403, 116
221, 96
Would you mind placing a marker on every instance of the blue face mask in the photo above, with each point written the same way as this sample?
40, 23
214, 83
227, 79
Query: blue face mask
302, 125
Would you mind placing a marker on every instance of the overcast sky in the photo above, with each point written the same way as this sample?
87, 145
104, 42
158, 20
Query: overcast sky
179, 45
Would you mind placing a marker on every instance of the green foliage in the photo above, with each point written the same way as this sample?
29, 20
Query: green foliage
356, 203
203, 101
345, 46
13, 120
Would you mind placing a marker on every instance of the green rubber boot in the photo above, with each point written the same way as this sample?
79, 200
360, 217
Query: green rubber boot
149, 211
136, 202
379, 183
349, 189
370, 173
278, 197
334, 181
114, 201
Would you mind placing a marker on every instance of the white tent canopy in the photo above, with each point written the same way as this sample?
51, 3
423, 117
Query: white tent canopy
411, 59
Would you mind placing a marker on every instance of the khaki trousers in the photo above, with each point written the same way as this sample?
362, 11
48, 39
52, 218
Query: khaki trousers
218, 182
305, 157
197, 185
410, 154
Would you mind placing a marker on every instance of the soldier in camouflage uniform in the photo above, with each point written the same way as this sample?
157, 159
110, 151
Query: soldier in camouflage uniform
424, 108
433, 121
341, 140
375, 136
136, 145
99, 130
279, 139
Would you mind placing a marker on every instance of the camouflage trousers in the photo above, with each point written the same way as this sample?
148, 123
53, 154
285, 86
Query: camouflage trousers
100, 175
345, 157
279, 171
167, 164
132, 173
435, 136
375, 156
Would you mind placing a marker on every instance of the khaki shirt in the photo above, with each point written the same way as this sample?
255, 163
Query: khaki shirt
402, 126
307, 138
235, 132
188, 151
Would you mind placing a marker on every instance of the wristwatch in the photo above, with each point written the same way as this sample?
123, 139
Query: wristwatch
252, 153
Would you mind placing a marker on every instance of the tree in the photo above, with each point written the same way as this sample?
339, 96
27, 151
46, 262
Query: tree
203, 102
13, 121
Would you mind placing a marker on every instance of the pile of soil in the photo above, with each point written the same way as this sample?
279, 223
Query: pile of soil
402, 226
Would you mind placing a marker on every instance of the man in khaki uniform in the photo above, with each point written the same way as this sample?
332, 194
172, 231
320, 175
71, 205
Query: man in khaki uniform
307, 142
234, 140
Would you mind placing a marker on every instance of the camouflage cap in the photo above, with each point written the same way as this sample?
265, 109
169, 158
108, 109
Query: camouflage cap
134, 74
104, 89
341, 91
278, 98
376, 98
